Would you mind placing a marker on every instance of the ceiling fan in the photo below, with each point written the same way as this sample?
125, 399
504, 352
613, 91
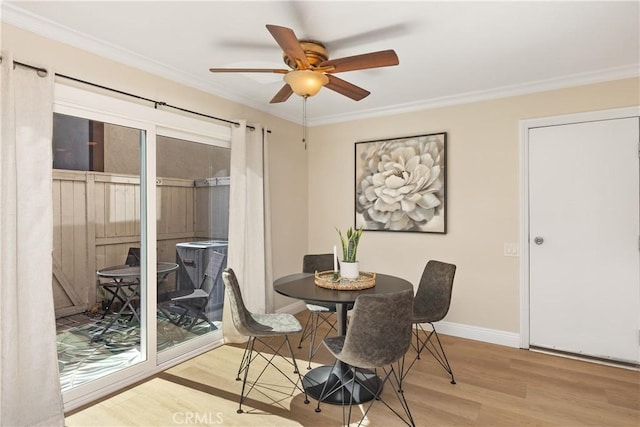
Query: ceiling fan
311, 68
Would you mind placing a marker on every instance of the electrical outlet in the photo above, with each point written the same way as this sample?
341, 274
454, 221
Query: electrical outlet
511, 249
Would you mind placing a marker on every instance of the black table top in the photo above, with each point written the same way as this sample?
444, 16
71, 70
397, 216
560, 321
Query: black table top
302, 286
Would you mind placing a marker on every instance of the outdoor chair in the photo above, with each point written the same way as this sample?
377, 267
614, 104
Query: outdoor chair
431, 305
133, 257
379, 335
269, 331
192, 304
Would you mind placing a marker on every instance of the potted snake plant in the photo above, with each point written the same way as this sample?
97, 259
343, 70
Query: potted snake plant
349, 268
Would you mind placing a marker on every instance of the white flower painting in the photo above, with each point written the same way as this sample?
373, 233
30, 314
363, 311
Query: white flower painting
400, 184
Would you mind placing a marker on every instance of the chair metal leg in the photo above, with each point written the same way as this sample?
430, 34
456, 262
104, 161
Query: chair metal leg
401, 372
353, 387
375, 389
244, 366
434, 347
314, 330
439, 354
401, 398
251, 353
391, 373
310, 329
340, 386
296, 370
306, 331
337, 386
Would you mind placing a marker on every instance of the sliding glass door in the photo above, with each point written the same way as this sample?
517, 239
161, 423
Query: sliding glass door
193, 224
99, 246
140, 239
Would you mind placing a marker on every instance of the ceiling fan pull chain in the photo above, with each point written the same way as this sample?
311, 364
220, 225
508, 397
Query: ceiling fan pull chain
304, 121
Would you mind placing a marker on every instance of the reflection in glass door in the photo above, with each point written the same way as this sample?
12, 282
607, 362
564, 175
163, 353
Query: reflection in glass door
192, 193
97, 252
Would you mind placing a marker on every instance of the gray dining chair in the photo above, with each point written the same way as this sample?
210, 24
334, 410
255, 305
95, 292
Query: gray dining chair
431, 304
263, 329
319, 312
379, 335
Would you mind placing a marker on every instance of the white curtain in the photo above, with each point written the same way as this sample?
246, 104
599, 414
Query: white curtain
29, 382
249, 222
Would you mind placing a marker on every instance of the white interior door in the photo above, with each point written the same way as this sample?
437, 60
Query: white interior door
584, 233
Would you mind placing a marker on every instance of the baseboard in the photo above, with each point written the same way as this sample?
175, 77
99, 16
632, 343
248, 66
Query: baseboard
492, 336
294, 308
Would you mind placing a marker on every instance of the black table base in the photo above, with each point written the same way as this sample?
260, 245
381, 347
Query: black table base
339, 380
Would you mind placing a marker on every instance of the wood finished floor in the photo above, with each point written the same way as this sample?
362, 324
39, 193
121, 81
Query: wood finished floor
496, 386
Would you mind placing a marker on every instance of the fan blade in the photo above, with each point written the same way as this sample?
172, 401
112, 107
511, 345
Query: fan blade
345, 88
289, 43
248, 70
282, 95
383, 58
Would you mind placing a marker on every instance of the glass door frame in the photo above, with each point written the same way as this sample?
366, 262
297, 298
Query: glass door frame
93, 106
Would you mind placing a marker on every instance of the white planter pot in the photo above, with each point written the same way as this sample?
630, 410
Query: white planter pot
349, 270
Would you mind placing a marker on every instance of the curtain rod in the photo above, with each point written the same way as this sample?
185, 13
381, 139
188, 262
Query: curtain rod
155, 103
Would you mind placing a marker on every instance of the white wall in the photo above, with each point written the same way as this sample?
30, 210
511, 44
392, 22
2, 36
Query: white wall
482, 194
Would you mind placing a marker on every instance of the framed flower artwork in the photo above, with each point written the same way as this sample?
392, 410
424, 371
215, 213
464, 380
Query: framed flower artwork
400, 184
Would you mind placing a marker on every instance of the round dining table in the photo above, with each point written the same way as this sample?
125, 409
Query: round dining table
302, 286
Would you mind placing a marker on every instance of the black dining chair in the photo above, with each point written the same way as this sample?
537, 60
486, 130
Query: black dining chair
379, 335
262, 329
431, 304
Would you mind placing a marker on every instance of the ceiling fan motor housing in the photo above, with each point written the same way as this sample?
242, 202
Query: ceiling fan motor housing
315, 52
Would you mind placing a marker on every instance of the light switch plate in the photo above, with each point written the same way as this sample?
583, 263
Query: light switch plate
511, 249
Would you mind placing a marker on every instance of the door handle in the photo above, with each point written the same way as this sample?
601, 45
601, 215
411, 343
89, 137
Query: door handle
538, 240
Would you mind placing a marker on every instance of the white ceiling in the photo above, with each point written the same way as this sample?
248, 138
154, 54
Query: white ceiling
450, 52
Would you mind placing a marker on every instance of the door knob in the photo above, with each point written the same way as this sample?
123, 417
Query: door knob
538, 240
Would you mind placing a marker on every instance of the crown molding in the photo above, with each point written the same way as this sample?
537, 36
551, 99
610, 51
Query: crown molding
46, 28
581, 79
36, 24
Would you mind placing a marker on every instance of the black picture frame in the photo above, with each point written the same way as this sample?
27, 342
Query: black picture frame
400, 184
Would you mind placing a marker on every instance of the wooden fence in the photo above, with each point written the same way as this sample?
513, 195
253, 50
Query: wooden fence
97, 219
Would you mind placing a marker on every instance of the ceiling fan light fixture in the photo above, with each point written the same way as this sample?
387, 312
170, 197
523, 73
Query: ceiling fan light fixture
306, 82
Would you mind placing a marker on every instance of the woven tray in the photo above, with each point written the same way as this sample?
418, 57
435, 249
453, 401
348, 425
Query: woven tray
324, 279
